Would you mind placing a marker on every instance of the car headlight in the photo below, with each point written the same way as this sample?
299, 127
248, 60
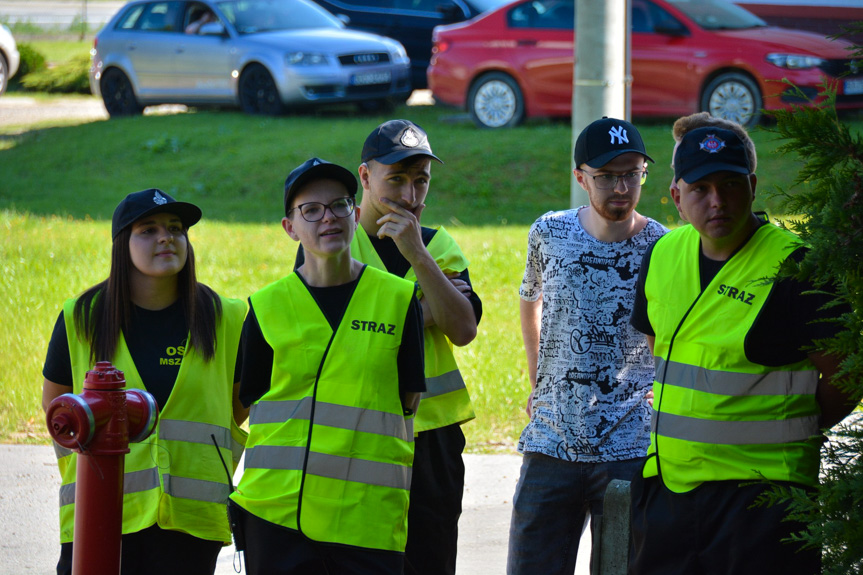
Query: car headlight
305, 59
794, 61
399, 55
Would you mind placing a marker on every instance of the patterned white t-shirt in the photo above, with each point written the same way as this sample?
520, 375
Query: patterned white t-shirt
593, 368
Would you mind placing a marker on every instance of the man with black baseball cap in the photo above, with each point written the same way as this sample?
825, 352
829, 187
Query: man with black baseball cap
589, 372
738, 399
395, 174
332, 371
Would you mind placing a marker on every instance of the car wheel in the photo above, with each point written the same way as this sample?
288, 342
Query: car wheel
495, 101
258, 92
118, 95
734, 97
4, 74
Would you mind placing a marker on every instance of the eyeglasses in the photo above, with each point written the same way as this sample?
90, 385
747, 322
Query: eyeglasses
314, 211
609, 181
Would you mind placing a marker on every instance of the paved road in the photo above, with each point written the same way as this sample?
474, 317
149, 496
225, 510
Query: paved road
59, 13
28, 513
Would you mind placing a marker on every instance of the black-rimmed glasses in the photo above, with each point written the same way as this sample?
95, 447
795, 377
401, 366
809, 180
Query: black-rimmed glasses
609, 181
314, 211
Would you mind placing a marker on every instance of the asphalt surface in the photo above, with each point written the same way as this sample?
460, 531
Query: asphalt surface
30, 542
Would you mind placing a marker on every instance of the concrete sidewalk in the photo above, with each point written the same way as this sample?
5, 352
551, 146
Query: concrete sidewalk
28, 514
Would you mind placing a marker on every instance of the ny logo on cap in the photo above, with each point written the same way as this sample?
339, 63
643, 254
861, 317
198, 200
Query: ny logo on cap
410, 139
620, 134
159, 199
711, 144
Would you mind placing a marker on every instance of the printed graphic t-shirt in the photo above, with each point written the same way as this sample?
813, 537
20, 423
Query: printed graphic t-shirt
593, 367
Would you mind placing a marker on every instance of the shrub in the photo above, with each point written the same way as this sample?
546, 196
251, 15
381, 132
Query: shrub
69, 77
31, 61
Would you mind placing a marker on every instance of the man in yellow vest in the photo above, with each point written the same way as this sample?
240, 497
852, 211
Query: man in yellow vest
332, 368
737, 399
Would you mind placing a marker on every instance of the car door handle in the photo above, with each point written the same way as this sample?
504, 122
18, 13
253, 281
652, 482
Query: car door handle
526, 43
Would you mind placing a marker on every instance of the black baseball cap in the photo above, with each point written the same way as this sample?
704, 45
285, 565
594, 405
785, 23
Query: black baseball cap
704, 151
146, 202
393, 141
316, 169
605, 139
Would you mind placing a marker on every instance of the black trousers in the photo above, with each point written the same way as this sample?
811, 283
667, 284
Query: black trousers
155, 550
437, 486
275, 550
713, 529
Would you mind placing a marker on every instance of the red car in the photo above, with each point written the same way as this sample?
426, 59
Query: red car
687, 55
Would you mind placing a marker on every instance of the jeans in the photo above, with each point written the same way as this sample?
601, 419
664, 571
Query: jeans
550, 508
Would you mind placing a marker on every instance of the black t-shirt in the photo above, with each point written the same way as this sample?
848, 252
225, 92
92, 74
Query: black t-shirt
257, 353
156, 340
786, 325
398, 265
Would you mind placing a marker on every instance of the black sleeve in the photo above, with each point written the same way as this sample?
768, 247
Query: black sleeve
474, 300
791, 320
257, 371
58, 363
639, 319
411, 363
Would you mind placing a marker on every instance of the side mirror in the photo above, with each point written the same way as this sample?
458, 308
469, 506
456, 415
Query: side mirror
671, 28
344, 18
212, 29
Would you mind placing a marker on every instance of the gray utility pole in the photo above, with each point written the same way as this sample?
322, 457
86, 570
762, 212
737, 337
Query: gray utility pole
602, 79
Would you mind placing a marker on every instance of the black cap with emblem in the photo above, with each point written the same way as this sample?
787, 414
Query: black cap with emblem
144, 203
393, 141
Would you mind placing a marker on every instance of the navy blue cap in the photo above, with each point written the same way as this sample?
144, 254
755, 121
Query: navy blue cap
317, 169
704, 151
393, 141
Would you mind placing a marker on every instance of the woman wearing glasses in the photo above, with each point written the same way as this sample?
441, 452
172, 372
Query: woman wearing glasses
333, 370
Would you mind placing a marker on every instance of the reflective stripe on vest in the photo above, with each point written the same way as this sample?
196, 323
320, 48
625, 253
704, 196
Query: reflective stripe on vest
733, 383
718, 415
196, 489
133, 482
333, 415
196, 432
446, 400
332, 466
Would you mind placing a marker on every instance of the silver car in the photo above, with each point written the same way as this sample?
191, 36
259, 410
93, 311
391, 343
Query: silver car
263, 55
9, 57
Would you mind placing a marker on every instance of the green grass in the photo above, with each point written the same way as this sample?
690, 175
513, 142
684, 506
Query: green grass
63, 50
61, 184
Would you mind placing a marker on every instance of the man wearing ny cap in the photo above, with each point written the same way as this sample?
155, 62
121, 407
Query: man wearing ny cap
589, 370
738, 399
332, 371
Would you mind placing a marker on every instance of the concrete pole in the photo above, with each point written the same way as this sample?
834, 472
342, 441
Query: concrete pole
602, 77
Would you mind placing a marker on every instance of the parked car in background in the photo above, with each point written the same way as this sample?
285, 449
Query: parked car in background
263, 55
687, 55
9, 58
409, 21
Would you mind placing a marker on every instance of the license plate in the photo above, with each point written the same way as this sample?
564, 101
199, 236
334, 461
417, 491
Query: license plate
853, 87
368, 78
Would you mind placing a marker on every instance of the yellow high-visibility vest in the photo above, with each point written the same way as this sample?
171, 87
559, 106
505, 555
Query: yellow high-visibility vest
330, 449
718, 415
173, 479
446, 400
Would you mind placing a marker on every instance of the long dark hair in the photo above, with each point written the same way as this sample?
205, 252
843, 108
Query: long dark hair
105, 309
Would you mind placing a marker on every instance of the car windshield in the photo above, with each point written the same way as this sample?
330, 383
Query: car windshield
486, 5
718, 14
253, 16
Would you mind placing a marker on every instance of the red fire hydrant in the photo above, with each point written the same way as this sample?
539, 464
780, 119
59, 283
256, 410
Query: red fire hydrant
99, 424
